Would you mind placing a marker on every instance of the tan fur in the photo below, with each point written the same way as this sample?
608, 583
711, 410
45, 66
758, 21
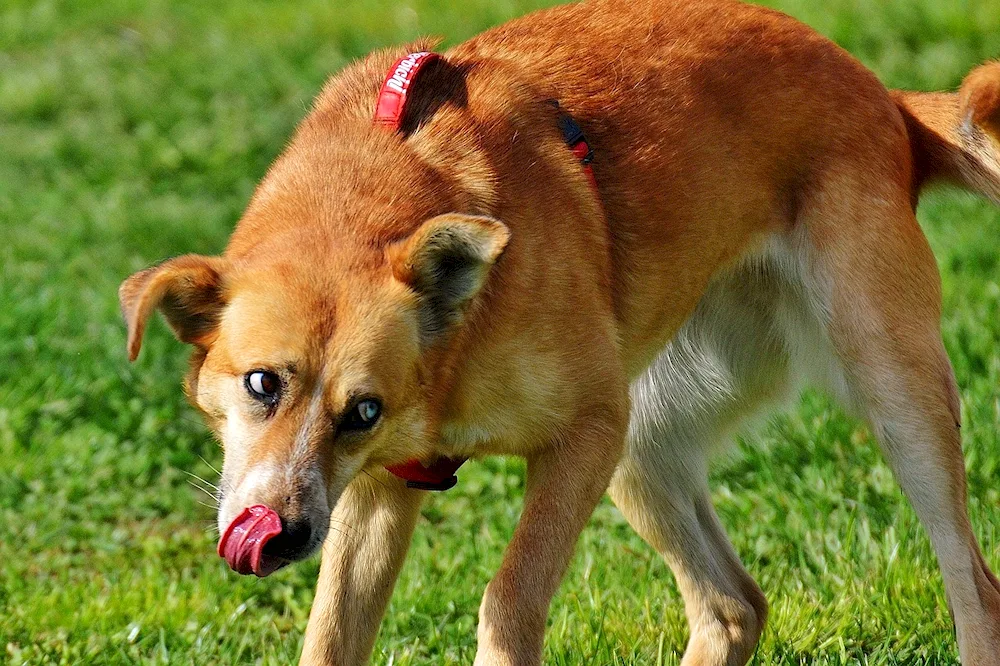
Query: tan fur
754, 223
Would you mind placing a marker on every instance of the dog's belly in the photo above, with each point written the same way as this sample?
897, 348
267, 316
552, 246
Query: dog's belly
753, 341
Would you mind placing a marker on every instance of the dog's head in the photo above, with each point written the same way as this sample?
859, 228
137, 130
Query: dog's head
325, 334
314, 358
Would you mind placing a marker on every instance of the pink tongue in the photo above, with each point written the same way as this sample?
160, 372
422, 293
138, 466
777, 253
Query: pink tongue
242, 544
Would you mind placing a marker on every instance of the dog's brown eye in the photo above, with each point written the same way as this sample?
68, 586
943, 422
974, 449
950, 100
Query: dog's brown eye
362, 416
263, 386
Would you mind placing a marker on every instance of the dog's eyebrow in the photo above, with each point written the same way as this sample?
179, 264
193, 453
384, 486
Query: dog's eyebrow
281, 367
353, 397
359, 393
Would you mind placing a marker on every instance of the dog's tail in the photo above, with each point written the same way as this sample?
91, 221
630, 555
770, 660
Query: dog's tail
955, 137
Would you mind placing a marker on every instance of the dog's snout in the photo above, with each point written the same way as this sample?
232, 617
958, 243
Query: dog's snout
296, 512
293, 542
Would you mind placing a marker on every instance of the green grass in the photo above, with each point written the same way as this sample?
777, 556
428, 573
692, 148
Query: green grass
132, 130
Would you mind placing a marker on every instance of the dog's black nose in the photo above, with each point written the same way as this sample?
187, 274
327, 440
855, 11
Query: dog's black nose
293, 542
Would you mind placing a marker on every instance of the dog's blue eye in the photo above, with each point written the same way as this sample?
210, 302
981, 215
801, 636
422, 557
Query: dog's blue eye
363, 415
263, 386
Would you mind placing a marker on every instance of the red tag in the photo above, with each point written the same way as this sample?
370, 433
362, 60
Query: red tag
392, 96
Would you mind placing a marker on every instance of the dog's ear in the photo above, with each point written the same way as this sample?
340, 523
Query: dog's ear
446, 261
187, 289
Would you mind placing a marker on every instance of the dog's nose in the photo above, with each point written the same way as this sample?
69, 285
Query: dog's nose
293, 541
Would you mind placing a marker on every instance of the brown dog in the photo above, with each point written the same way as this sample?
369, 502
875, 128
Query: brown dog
453, 286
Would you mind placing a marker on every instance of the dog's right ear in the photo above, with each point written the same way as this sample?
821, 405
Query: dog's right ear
187, 289
446, 261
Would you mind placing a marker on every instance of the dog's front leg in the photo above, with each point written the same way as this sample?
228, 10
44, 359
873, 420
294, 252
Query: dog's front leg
565, 482
370, 532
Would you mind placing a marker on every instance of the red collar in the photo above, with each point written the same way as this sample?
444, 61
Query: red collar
392, 96
440, 474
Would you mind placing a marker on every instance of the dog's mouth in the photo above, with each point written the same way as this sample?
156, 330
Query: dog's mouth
242, 544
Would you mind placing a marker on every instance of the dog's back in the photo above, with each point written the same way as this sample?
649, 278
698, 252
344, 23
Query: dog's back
712, 122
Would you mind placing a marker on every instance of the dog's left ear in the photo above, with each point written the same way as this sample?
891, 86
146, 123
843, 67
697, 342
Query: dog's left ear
187, 289
446, 261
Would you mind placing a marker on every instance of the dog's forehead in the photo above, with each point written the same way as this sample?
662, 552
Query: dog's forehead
377, 330
276, 308
265, 326
349, 324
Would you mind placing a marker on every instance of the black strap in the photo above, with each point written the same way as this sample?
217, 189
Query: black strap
572, 134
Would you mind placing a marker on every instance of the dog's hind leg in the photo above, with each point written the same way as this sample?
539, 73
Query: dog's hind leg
867, 261
724, 362
666, 500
